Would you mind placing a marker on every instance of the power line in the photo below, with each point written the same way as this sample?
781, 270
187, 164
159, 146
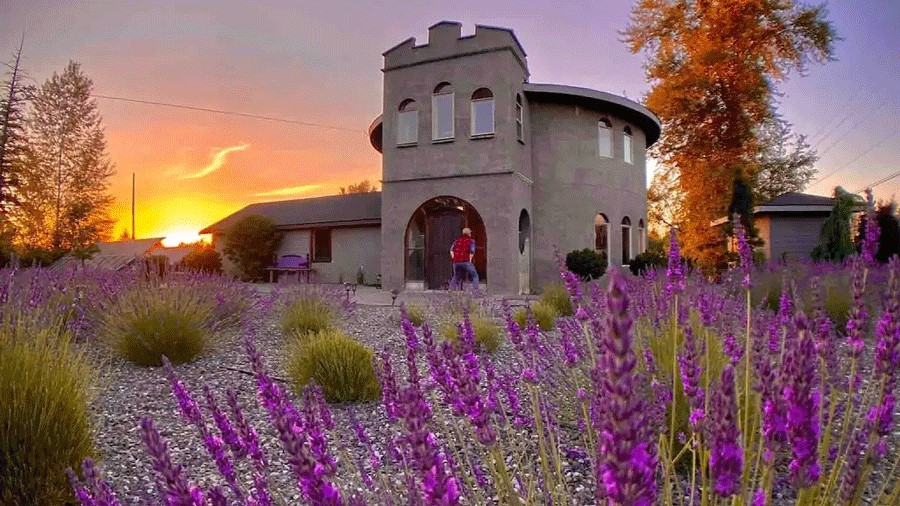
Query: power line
864, 153
229, 113
880, 181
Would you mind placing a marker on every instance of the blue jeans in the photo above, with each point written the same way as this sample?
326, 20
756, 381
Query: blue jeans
468, 267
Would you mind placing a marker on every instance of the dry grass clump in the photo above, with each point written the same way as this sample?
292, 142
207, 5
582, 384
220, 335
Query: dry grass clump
150, 321
488, 334
544, 315
341, 366
44, 422
309, 313
557, 297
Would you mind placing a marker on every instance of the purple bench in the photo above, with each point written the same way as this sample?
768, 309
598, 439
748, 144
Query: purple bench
292, 263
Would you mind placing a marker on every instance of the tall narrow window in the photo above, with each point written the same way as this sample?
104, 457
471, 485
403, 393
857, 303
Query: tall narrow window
601, 236
642, 237
520, 119
604, 134
321, 245
626, 146
482, 112
626, 240
442, 112
408, 123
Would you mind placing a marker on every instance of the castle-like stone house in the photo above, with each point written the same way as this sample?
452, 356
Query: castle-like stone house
468, 141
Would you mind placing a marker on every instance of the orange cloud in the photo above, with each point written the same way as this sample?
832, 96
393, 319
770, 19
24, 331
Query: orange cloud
216, 163
286, 192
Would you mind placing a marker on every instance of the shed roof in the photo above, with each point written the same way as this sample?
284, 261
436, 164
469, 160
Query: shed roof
789, 203
334, 210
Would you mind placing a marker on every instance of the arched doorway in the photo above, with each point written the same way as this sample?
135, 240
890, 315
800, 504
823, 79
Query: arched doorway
524, 253
429, 235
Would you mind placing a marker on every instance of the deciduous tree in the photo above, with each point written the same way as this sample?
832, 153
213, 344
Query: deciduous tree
713, 66
13, 145
251, 244
65, 196
364, 186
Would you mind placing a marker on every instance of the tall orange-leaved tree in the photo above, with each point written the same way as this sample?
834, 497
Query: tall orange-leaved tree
714, 66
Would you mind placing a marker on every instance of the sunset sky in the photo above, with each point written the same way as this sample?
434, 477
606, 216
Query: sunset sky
318, 61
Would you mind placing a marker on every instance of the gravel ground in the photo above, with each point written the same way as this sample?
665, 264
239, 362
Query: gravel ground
126, 393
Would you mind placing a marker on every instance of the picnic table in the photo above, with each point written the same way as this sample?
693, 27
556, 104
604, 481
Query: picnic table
292, 264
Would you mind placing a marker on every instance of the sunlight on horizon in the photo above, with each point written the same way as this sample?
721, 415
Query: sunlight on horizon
177, 237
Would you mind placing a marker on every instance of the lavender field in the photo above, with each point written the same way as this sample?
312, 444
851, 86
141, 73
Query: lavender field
776, 385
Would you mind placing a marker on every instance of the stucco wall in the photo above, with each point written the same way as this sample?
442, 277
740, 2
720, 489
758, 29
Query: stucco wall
763, 227
794, 236
572, 183
498, 199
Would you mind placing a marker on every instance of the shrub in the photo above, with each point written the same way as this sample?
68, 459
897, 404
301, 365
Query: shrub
487, 333
251, 244
340, 365
153, 320
648, 261
544, 315
587, 263
557, 297
203, 259
309, 313
44, 423
415, 313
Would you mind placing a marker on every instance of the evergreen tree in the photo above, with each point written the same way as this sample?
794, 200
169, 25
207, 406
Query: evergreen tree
65, 196
889, 230
836, 238
13, 144
713, 66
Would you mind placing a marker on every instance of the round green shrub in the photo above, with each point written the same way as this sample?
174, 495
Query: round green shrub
587, 263
488, 334
557, 297
307, 314
544, 315
44, 422
152, 320
203, 259
340, 365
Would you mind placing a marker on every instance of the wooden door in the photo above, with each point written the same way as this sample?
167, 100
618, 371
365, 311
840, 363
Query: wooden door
443, 227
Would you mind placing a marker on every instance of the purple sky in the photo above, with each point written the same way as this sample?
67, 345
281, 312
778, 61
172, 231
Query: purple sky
318, 61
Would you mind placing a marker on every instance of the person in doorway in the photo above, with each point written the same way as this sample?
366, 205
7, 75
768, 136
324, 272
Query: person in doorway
462, 252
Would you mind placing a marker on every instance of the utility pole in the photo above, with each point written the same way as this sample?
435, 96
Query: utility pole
133, 237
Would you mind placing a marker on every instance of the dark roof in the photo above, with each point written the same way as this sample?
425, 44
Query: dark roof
799, 199
334, 210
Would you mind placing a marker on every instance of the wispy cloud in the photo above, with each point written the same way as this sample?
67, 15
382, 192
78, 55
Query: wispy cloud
284, 192
218, 160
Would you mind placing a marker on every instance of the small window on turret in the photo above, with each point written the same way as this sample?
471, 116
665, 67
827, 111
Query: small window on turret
442, 120
408, 123
520, 119
627, 154
482, 112
604, 134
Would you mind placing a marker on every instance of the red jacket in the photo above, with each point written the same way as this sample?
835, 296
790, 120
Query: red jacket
462, 248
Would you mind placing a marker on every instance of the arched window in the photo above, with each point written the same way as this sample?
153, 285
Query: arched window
442, 112
601, 236
627, 154
482, 112
408, 122
604, 134
520, 119
642, 237
626, 240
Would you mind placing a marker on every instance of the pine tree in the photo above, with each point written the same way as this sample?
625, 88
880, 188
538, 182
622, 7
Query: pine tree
836, 238
713, 66
13, 145
65, 191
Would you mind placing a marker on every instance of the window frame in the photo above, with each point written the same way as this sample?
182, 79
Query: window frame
626, 229
604, 126
607, 239
627, 145
440, 91
313, 252
401, 112
472, 118
520, 119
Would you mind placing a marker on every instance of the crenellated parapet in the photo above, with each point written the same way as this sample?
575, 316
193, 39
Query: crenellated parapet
445, 40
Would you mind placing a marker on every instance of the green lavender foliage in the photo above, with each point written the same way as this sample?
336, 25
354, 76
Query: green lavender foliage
488, 334
558, 297
149, 321
309, 313
544, 315
340, 365
44, 422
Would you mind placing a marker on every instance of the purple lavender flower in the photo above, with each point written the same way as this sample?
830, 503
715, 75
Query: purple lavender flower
801, 396
852, 468
869, 247
388, 385
726, 459
173, 486
675, 269
229, 435
732, 348
689, 364
188, 408
625, 462
248, 435
744, 250
856, 323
